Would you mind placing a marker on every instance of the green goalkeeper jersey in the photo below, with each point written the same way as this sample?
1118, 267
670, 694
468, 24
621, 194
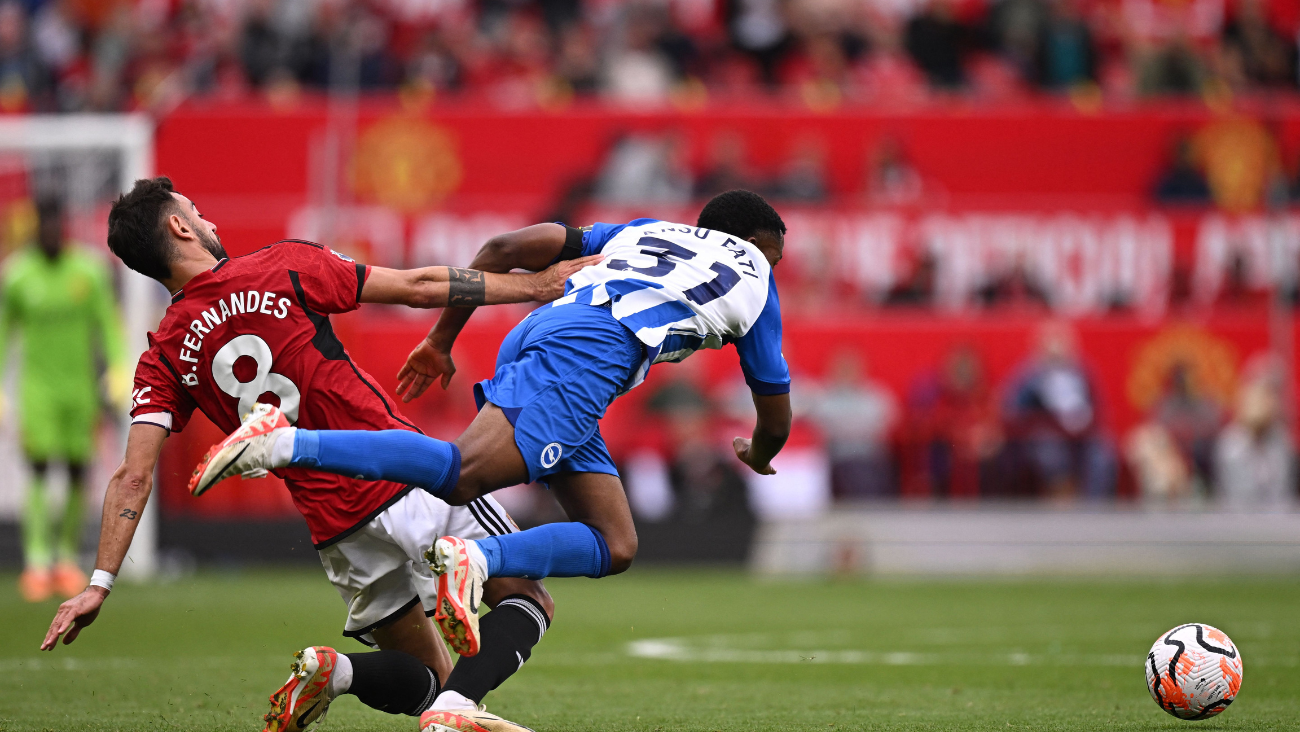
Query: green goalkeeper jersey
63, 310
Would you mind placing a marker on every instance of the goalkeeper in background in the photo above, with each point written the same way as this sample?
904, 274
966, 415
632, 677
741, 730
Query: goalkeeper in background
58, 299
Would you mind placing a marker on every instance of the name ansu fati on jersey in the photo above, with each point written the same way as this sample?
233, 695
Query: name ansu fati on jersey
241, 303
731, 245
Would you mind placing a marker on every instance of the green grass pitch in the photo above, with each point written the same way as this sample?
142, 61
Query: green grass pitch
660, 650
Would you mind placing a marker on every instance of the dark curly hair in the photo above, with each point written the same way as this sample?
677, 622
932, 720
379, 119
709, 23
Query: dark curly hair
135, 227
740, 213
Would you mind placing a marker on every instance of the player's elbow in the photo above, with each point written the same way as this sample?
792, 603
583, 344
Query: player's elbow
497, 254
426, 296
132, 483
422, 290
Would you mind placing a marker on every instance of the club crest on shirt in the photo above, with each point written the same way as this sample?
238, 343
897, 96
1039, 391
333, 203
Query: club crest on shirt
551, 454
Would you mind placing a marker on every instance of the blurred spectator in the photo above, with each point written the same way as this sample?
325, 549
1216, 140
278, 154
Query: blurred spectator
916, 290
1050, 410
1069, 48
888, 75
1161, 471
1172, 452
728, 168
1171, 68
434, 65
643, 169
24, 80
937, 42
262, 49
1255, 53
951, 435
1018, 29
639, 72
706, 485
1015, 287
891, 179
803, 179
1182, 183
120, 54
855, 416
1255, 455
758, 28
1192, 421
578, 64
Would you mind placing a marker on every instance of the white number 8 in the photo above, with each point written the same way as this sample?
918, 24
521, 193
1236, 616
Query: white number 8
223, 372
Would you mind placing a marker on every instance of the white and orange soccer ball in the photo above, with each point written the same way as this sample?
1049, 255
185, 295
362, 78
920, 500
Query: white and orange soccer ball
1194, 671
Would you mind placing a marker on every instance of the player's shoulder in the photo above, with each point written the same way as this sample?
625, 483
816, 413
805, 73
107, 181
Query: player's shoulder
287, 254
643, 222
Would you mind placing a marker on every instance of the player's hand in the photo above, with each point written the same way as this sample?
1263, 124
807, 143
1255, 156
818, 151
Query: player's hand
550, 281
74, 615
742, 446
426, 364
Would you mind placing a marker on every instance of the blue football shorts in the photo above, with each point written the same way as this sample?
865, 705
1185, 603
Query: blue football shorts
556, 374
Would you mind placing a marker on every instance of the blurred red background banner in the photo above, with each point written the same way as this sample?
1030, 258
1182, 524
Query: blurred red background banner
255, 165
1056, 194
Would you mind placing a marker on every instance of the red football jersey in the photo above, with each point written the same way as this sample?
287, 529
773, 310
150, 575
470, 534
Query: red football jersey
256, 328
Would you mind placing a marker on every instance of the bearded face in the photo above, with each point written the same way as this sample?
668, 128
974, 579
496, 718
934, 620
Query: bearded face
211, 242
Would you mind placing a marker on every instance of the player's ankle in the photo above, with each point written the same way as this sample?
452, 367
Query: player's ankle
341, 679
452, 701
282, 452
477, 558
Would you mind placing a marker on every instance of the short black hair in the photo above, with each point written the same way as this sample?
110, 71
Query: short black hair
135, 227
740, 213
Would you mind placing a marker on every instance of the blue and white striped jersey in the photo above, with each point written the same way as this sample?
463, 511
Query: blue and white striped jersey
680, 288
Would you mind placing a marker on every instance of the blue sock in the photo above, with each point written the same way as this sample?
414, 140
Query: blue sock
396, 455
549, 550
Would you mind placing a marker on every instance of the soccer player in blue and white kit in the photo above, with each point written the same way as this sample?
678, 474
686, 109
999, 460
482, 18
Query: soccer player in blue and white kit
662, 292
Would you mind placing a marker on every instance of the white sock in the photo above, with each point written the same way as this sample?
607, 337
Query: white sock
281, 456
476, 558
341, 681
451, 701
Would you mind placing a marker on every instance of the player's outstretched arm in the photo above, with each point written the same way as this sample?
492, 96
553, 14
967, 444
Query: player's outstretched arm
128, 492
770, 433
437, 287
532, 248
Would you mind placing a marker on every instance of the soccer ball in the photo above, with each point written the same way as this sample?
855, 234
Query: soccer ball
1194, 671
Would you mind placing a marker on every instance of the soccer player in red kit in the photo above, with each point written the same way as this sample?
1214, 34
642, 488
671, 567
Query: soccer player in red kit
256, 328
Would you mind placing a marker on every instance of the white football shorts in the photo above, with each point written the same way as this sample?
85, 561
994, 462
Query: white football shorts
380, 570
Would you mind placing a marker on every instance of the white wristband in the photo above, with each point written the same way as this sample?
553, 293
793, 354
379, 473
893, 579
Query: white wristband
100, 578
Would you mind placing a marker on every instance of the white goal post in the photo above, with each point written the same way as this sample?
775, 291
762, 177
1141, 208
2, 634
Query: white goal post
131, 137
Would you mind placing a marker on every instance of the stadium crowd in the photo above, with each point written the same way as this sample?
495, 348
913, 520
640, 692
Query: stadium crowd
954, 435
74, 55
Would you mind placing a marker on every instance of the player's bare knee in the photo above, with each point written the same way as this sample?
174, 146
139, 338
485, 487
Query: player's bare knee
459, 496
538, 592
622, 550
497, 589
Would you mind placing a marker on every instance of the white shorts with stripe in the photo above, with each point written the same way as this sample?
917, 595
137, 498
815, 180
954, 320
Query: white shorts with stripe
380, 570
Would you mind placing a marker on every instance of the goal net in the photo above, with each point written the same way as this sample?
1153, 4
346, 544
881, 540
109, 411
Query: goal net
85, 161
